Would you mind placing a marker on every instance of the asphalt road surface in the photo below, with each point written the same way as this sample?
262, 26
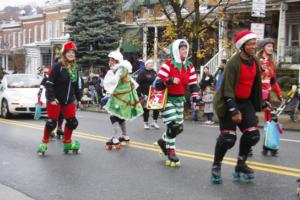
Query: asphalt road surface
136, 171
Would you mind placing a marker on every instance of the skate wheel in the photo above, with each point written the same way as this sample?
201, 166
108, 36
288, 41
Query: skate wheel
117, 147
75, 151
173, 164
108, 147
247, 178
215, 180
168, 163
155, 144
236, 176
178, 164
66, 151
41, 153
298, 191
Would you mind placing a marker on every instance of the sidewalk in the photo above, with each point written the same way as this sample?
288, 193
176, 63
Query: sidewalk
284, 119
7, 193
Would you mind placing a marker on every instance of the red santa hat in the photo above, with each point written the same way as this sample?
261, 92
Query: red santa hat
242, 37
69, 45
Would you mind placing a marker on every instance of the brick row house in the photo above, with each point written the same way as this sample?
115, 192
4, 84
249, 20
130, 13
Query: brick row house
33, 41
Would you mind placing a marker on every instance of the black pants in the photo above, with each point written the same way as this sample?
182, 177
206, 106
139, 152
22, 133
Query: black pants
249, 120
114, 119
209, 116
146, 114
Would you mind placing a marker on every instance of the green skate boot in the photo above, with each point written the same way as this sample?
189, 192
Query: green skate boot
42, 149
73, 146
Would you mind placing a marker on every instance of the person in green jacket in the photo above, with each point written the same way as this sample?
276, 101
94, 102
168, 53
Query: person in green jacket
236, 103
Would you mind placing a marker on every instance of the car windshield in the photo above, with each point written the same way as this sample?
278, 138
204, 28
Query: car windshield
23, 81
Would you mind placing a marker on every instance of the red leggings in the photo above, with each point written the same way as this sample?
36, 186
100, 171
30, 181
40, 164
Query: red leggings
69, 111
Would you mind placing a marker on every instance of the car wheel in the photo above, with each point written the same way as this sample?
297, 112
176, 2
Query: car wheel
5, 110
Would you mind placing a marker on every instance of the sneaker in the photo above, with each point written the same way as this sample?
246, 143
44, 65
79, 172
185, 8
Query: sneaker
146, 126
206, 122
211, 122
155, 125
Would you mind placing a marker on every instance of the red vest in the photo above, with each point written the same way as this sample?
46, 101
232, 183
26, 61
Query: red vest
246, 80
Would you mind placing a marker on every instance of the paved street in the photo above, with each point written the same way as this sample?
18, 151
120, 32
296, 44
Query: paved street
137, 171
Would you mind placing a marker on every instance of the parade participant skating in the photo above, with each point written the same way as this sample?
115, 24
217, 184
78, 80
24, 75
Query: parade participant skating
268, 77
235, 103
145, 80
123, 103
176, 74
61, 88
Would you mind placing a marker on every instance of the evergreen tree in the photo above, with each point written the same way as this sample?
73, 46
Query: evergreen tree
94, 27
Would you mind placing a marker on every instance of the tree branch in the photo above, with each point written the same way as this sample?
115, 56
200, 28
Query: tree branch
168, 15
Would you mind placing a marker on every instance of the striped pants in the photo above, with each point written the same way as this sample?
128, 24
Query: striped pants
172, 113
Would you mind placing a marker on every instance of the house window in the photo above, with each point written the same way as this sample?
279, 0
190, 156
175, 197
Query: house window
294, 35
24, 36
30, 36
14, 40
46, 59
35, 33
57, 28
42, 32
49, 30
19, 39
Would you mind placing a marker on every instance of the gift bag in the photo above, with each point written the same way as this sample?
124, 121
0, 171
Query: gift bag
38, 110
272, 135
156, 99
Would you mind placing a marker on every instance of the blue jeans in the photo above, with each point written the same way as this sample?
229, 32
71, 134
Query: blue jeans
195, 115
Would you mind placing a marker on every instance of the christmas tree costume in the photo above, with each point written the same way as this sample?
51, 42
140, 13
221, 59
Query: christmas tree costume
173, 113
124, 103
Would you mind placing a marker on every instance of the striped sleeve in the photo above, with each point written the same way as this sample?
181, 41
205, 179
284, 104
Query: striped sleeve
163, 72
192, 76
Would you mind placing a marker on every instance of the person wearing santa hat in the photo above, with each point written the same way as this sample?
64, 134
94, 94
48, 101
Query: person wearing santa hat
268, 76
61, 89
235, 103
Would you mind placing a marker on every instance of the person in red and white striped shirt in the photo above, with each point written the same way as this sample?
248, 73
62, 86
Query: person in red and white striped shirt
176, 74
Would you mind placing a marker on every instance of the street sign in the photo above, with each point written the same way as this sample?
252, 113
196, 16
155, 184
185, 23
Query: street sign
259, 30
258, 8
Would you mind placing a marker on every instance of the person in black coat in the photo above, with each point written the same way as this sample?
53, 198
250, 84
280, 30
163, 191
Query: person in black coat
145, 80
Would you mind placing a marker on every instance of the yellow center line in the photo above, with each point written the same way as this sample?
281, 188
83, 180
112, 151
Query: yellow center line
276, 169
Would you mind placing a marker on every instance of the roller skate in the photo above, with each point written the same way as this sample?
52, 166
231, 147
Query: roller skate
124, 140
163, 149
243, 172
73, 146
274, 153
42, 149
59, 133
298, 188
216, 177
173, 160
264, 152
113, 143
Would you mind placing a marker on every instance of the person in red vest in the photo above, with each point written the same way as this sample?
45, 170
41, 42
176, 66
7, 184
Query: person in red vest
236, 103
61, 90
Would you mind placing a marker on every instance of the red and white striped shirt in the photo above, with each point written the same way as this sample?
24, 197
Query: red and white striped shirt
187, 77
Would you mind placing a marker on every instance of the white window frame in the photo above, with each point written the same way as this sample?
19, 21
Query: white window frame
30, 36
19, 39
49, 30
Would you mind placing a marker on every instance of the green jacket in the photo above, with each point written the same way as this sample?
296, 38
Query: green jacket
229, 83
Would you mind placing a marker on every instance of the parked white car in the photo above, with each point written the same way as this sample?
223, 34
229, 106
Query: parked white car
19, 94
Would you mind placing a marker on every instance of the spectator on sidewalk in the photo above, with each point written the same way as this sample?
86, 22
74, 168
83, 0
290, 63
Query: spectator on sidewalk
207, 79
219, 73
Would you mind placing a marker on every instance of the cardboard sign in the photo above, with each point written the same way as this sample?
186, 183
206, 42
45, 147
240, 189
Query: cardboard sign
156, 99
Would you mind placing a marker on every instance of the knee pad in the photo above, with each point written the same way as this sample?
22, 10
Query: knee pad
251, 137
51, 124
227, 140
72, 123
174, 129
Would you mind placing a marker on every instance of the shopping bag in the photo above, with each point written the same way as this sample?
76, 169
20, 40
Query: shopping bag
272, 135
38, 110
156, 99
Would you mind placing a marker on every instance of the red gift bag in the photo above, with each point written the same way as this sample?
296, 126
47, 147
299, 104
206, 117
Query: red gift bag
157, 99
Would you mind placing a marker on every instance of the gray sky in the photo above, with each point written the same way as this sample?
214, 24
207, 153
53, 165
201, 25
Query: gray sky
4, 3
